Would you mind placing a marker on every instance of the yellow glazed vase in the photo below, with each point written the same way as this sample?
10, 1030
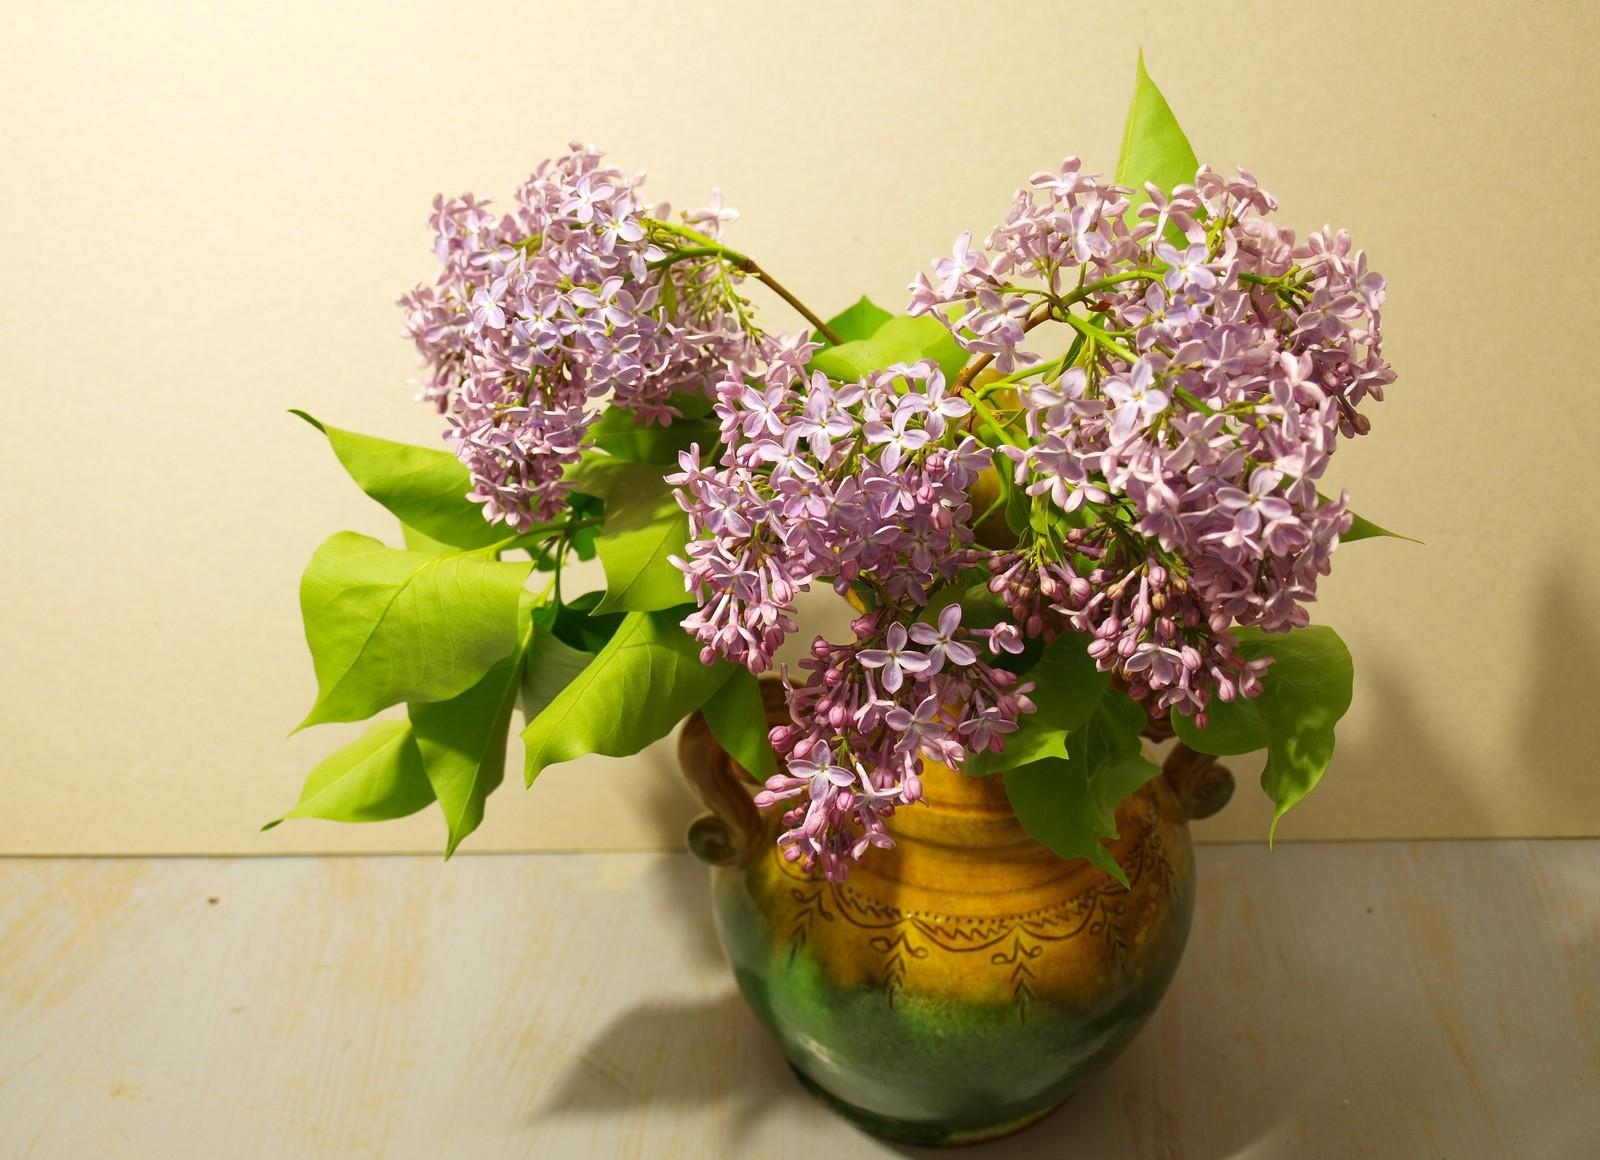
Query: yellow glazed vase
963, 984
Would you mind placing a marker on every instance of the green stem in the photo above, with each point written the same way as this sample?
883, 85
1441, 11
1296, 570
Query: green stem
1083, 292
705, 247
973, 369
1188, 398
990, 420
540, 533
555, 572
1059, 308
1094, 334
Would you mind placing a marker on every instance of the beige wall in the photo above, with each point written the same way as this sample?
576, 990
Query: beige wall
208, 210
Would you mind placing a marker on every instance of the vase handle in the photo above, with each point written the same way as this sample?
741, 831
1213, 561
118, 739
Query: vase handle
1200, 782
732, 832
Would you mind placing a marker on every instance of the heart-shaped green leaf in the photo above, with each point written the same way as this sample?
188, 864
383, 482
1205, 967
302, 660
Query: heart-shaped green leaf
387, 626
646, 679
552, 664
644, 529
1067, 689
1232, 727
618, 432
426, 488
737, 717
1070, 804
857, 321
1365, 529
463, 743
1154, 147
378, 776
1303, 696
901, 339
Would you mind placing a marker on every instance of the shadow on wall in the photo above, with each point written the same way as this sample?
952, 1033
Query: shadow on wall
1560, 708
1312, 987
1549, 737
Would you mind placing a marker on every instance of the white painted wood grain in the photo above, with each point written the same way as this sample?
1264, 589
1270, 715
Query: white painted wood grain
1393, 1000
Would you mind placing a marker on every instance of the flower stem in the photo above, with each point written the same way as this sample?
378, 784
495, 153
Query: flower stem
1094, 334
705, 247
990, 420
973, 369
1083, 292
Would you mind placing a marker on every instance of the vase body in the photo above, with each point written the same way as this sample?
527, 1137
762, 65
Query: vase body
964, 983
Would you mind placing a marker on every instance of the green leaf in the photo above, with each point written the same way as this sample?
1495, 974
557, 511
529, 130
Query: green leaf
1019, 504
1365, 529
376, 777
1154, 148
858, 321
644, 528
645, 680
1070, 804
552, 665
1232, 727
415, 541
1303, 696
737, 716
619, 432
1110, 732
463, 743
577, 623
1070, 807
598, 475
386, 626
426, 488
899, 340
1067, 690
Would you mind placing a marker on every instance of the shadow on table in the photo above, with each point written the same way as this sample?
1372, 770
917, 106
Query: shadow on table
1304, 1008
679, 1054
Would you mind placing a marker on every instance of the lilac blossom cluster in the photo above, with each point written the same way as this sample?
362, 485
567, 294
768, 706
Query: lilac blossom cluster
1166, 464
577, 299
1214, 364
865, 485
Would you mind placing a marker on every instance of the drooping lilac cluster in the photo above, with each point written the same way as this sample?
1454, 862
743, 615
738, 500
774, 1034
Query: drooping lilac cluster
870, 713
1214, 364
541, 315
865, 485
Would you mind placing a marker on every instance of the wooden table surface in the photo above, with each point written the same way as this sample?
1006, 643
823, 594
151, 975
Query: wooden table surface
1384, 999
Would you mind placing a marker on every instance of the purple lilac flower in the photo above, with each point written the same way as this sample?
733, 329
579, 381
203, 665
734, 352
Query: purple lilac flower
542, 316
1213, 386
894, 660
864, 485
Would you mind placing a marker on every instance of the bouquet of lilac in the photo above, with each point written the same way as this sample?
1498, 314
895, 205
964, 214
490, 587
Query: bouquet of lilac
1072, 494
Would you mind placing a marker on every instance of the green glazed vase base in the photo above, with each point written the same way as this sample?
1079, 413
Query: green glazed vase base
912, 1132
